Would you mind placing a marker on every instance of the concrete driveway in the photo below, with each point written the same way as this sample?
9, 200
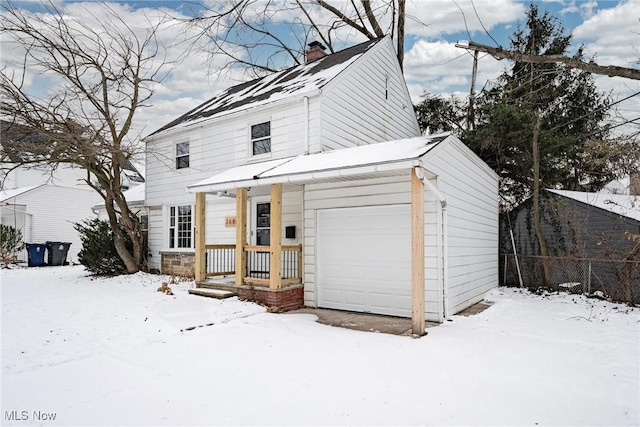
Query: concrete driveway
376, 322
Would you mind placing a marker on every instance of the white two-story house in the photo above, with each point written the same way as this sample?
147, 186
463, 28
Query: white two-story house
313, 186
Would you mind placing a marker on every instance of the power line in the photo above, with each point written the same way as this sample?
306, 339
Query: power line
592, 112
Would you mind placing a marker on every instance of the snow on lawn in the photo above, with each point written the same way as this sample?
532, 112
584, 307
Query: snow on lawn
116, 352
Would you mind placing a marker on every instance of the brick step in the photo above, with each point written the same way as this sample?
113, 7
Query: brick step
213, 293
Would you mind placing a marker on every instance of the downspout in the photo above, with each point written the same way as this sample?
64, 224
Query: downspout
306, 124
445, 240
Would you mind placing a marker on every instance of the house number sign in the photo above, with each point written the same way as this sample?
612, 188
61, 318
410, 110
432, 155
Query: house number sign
229, 221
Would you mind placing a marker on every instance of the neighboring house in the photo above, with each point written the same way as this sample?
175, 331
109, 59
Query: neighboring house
135, 200
42, 202
596, 226
299, 197
47, 212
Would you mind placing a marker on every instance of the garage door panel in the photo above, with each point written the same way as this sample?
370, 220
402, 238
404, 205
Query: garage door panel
332, 296
363, 259
333, 271
355, 272
354, 297
382, 273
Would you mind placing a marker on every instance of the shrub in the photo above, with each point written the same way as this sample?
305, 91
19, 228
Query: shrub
10, 243
98, 253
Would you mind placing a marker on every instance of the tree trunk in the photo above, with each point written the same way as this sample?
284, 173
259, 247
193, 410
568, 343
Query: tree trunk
128, 259
131, 260
537, 223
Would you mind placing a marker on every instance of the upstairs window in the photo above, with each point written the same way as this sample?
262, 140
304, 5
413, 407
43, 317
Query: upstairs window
261, 138
180, 226
182, 155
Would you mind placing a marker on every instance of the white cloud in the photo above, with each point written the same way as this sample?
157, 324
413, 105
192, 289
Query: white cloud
441, 68
612, 34
439, 17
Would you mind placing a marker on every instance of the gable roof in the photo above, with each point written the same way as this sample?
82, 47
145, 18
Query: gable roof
620, 204
15, 192
381, 157
295, 81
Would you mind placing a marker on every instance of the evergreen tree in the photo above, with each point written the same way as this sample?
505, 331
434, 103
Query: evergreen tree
568, 106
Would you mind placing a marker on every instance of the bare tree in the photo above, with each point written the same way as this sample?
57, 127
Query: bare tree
103, 71
249, 32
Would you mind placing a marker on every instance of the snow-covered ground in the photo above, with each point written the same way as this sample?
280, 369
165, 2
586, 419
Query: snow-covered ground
116, 352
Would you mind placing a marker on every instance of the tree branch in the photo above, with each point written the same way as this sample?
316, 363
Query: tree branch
591, 67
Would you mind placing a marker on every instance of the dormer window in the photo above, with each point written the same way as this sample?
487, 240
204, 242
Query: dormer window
261, 138
182, 155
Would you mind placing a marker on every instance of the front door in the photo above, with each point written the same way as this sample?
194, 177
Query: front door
258, 262
263, 223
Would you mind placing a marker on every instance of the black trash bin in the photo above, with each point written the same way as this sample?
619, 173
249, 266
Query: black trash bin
57, 252
35, 254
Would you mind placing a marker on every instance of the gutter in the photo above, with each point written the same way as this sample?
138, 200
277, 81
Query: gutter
419, 171
306, 125
296, 178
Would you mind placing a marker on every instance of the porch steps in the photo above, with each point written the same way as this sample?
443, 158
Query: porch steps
213, 293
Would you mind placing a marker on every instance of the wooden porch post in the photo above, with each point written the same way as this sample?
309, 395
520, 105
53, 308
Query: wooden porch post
201, 213
241, 235
275, 251
417, 254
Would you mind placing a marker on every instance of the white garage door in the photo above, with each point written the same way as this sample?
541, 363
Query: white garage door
364, 259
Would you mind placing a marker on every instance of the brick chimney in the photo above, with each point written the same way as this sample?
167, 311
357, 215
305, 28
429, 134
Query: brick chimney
315, 51
634, 183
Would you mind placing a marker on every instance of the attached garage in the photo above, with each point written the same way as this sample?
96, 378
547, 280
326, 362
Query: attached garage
364, 259
406, 228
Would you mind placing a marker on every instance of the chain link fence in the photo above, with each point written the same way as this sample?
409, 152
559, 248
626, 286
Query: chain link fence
618, 280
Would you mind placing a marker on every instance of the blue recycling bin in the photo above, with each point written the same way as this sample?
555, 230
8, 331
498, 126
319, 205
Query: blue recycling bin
57, 252
35, 254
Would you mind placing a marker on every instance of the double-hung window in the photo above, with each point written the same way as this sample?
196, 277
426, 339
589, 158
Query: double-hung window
182, 155
261, 138
180, 226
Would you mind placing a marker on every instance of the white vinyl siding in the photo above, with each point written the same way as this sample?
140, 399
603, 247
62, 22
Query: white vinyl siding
369, 104
50, 214
471, 190
155, 237
220, 145
215, 147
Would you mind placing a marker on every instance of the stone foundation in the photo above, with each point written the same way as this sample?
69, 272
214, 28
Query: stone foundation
287, 298
178, 263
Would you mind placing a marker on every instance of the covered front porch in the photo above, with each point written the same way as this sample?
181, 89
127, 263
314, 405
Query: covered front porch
274, 273
270, 274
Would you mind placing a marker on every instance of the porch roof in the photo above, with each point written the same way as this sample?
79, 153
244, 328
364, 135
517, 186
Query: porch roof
365, 159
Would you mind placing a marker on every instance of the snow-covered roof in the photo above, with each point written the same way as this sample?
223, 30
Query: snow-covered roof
618, 186
295, 81
14, 192
133, 196
383, 156
621, 204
